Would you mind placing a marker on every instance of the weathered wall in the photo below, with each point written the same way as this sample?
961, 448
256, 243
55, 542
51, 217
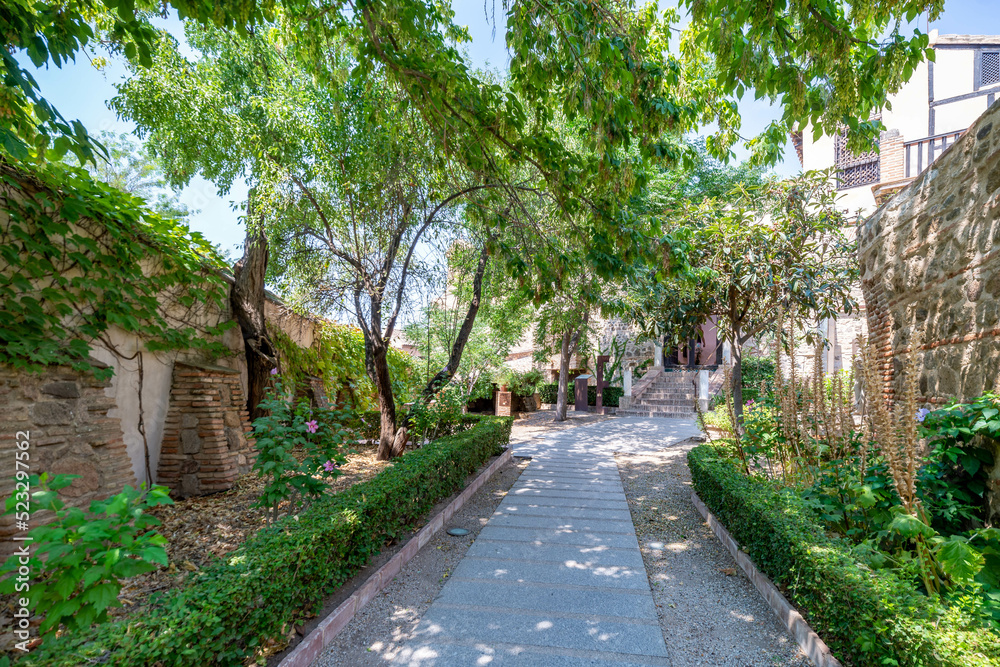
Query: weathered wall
930, 260
65, 416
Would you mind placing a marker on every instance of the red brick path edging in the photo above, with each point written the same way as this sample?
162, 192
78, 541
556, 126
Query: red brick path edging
815, 648
313, 644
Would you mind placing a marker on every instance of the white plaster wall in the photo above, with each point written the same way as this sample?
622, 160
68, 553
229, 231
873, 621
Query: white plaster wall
953, 73
957, 116
908, 110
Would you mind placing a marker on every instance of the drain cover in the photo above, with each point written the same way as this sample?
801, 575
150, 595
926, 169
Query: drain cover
457, 532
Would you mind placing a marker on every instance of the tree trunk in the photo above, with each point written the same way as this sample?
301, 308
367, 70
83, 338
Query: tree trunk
444, 376
561, 398
569, 343
247, 300
377, 366
737, 378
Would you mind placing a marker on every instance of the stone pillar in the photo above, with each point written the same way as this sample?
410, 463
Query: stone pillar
703, 390
657, 354
891, 157
727, 353
503, 404
627, 382
580, 402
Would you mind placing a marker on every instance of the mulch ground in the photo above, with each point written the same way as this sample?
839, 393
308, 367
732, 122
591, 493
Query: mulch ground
201, 530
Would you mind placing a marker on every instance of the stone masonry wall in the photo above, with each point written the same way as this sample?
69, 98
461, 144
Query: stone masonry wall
65, 415
930, 262
205, 444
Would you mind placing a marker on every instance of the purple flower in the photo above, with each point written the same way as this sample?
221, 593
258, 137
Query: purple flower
312, 426
922, 413
274, 371
330, 466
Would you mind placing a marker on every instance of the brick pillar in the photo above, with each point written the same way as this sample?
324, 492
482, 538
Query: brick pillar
205, 444
891, 157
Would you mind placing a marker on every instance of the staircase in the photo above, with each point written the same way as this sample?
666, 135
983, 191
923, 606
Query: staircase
669, 394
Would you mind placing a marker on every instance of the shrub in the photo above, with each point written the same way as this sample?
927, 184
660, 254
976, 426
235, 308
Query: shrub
284, 572
313, 431
868, 617
612, 395
79, 559
548, 393
757, 372
526, 383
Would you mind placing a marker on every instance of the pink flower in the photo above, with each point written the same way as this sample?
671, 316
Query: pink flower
274, 371
330, 466
312, 426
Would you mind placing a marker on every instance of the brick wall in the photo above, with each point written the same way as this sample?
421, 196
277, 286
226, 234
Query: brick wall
65, 414
891, 157
205, 444
930, 262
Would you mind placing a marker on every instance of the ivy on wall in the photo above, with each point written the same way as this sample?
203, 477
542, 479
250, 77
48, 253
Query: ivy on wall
337, 356
78, 257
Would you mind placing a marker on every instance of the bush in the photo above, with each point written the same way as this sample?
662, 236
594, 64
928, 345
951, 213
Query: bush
612, 395
288, 426
547, 393
79, 559
868, 617
283, 573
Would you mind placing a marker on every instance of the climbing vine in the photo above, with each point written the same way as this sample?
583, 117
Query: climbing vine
337, 356
78, 257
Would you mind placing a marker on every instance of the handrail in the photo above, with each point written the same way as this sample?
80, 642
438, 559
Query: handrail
914, 159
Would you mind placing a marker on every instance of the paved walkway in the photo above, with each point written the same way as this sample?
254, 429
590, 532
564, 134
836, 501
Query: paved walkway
555, 578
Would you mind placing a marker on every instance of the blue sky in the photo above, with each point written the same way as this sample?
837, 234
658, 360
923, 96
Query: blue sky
80, 91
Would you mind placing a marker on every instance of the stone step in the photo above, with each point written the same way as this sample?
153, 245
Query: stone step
668, 394
656, 414
663, 402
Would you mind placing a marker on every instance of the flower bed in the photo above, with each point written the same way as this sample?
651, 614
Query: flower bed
283, 573
868, 617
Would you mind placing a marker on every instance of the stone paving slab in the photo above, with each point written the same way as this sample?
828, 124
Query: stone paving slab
524, 509
545, 572
574, 494
543, 629
557, 523
548, 597
553, 501
496, 654
567, 554
541, 535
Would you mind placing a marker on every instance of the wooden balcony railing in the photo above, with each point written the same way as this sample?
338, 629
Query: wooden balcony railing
922, 152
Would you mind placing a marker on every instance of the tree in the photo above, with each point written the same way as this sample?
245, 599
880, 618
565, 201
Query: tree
131, 167
504, 315
748, 259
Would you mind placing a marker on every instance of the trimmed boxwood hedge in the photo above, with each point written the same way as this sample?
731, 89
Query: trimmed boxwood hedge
283, 573
547, 393
867, 617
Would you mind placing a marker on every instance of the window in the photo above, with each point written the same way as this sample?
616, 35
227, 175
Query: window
854, 170
989, 72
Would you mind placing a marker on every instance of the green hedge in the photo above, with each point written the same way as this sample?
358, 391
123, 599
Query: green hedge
547, 392
867, 617
286, 571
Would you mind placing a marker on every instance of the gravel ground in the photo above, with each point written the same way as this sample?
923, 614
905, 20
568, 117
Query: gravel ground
381, 628
709, 611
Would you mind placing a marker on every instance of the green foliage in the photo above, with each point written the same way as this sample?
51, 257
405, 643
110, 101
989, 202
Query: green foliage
758, 375
79, 559
954, 484
298, 447
75, 261
442, 413
548, 391
525, 383
829, 64
131, 167
612, 395
337, 357
284, 573
868, 617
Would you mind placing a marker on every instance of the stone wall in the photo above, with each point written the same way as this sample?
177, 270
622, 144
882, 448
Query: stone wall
930, 261
205, 437
65, 414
